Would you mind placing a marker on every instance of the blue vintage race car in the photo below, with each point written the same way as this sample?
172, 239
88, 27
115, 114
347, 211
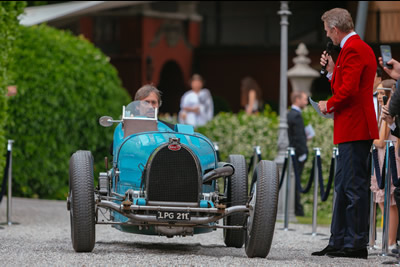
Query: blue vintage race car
164, 181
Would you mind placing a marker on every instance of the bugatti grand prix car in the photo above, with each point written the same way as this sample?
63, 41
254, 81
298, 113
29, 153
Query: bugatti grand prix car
165, 181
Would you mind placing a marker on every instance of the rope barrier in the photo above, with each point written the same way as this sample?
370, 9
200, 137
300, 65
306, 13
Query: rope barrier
380, 176
298, 178
5, 176
250, 164
324, 194
393, 166
283, 172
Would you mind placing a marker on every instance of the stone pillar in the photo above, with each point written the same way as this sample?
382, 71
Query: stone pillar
302, 75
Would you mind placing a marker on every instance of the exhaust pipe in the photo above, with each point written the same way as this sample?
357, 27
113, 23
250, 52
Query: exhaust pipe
224, 171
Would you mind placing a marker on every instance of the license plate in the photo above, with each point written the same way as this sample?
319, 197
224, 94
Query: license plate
173, 216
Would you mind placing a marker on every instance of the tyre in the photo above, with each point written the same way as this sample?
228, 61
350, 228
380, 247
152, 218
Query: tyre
236, 193
263, 207
81, 197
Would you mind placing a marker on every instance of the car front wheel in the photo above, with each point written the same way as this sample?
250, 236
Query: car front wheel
81, 201
263, 206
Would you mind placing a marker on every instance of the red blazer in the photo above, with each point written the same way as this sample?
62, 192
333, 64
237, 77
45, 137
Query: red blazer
352, 99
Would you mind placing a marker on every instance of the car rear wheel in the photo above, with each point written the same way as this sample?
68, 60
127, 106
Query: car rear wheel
236, 193
81, 201
263, 207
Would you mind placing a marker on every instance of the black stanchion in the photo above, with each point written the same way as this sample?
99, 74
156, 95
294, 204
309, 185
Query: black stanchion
255, 158
396, 183
216, 147
325, 193
253, 163
372, 211
9, 191
284, 170
290, 152
5, 177
315, 202
298, 178
386, 204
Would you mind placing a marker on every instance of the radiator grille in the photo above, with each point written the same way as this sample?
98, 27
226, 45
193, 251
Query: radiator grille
173, 176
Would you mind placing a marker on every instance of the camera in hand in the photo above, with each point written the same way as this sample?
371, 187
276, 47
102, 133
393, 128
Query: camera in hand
329, 47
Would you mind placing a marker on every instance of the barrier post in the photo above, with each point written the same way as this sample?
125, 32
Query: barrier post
9, 195
9, 189
386, 205
335, 154
257, 152
315, 202
216, 147
289, 166
372, 213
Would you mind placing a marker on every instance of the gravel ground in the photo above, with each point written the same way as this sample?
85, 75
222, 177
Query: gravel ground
42, 238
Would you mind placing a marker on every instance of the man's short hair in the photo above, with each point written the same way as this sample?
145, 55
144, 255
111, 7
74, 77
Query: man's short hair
339, 18
295, 95
145, 91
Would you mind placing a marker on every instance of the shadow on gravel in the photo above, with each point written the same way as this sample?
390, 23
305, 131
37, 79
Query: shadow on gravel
168, 248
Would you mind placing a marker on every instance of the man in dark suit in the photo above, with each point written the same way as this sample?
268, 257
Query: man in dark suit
297, 138
355, 127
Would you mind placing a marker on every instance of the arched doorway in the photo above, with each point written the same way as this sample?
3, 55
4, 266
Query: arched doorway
172, 87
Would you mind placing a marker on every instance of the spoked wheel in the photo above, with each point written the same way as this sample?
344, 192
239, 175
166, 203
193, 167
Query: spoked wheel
263, 207
236, 192
81, 201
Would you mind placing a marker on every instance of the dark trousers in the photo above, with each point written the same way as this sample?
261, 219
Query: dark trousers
298, 207
349, 227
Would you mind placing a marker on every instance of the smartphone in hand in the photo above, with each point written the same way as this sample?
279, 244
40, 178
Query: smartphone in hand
385, 99
386, 55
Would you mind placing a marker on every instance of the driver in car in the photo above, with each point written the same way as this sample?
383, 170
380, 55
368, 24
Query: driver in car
151, 95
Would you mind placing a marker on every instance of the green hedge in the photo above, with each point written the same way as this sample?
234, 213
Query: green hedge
65, 85
9, 11
238, 133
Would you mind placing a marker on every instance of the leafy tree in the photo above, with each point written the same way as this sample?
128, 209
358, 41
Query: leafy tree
65, 85
9, 11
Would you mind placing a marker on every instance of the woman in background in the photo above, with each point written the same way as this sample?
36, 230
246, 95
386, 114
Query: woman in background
251, 96
384, 89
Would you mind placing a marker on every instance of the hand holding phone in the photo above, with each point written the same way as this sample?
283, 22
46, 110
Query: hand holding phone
386, 55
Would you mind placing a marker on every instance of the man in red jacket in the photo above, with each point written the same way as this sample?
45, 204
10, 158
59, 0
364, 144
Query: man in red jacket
355, 127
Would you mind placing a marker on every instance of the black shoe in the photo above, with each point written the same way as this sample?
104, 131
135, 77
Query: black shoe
360, 253
325, 251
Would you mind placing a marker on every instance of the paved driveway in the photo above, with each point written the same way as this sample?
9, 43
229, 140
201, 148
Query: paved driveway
43, 239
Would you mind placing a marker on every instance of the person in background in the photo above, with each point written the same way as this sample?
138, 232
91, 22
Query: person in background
390, 113
11, 90
197, 107
251, 95
298, 138
384, 89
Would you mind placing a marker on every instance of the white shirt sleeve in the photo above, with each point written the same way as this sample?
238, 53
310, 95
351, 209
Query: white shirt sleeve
302, 157
329, 75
